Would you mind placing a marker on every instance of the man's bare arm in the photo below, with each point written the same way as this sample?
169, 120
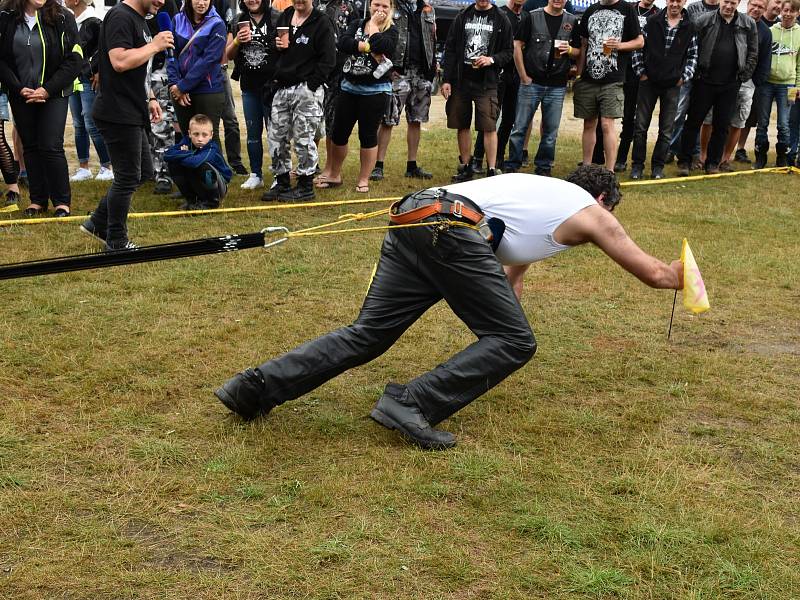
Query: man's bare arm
611, 238
519, 61
125, 59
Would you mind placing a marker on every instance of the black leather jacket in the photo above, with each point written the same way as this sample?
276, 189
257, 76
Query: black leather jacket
745, 36
427, 17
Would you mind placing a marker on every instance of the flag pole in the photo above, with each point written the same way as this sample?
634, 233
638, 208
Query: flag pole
674, 298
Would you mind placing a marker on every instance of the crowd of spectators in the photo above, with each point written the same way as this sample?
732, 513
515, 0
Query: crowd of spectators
310, 70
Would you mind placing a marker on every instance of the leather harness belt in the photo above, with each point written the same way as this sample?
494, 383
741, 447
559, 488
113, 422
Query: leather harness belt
454, 206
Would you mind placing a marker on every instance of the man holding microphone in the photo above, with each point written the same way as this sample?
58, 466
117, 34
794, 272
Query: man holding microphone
123, 107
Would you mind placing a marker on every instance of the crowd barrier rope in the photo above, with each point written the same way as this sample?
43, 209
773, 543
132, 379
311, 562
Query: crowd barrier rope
242, 209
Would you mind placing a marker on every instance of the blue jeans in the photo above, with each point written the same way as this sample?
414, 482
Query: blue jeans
256, 117
80, 105
552, 100
779, 93
794, 127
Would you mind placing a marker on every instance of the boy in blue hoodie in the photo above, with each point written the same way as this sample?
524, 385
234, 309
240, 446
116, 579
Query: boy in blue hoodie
197, 166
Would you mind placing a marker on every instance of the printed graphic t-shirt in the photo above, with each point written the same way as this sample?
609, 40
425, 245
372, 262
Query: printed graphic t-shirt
478, 30
599, 22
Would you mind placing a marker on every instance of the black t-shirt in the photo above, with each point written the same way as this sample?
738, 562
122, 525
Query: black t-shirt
553, 25
122, 97
478, 29
598, 23
724, 61
415, 54
255, 61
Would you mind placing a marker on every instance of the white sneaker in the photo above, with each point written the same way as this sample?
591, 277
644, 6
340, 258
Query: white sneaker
253, 182
104, 174
81, 175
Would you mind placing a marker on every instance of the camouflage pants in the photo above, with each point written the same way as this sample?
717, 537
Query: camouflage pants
162, 134
296, 115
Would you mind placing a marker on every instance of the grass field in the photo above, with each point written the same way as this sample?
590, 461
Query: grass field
615, 464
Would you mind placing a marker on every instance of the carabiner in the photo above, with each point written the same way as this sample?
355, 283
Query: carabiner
267, 230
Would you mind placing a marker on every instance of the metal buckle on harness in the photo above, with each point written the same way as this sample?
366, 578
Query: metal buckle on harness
458, 207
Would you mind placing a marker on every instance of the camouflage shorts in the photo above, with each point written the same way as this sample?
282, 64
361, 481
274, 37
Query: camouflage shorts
412, 92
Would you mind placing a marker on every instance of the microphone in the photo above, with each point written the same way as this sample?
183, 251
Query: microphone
165, 24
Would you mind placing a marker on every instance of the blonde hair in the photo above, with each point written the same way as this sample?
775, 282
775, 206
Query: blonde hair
389, 18
794, 3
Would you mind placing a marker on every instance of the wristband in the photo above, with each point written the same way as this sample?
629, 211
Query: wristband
366, 47
236, 41
152, 99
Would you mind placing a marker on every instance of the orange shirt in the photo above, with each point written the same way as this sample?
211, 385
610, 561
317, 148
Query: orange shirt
281, 5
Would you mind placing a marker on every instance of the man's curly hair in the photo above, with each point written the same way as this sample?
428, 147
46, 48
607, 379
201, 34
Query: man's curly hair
597, 180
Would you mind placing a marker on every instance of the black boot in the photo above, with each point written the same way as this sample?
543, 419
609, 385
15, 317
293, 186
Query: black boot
761, 156
397, 409
464, 172
304, 190
280, 189
780, 154
244, 394
477, 166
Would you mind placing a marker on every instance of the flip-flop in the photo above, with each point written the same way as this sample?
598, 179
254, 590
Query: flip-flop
362, 189
325, 184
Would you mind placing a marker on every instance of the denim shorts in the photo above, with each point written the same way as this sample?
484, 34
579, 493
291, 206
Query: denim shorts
5, 114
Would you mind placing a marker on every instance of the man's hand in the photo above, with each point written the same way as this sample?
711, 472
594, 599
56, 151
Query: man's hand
26, 92
184, 147
446, 90
95, 81
643, 77
526, 80
483, 61
163, 40
282, 43
155, 112
244, 35
676, 266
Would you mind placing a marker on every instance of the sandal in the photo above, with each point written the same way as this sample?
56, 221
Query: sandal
362, 189
61, 212
325, 184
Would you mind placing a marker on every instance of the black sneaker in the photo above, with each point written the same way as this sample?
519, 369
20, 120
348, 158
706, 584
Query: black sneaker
493, 172
397, 409
741, 156
377, 174
683, 169
658, 173
89, 227
244, 394
163, 186
12, 198
121, 246
620, 167
240, 169
669, 158
637, 172
417, 173
541, 172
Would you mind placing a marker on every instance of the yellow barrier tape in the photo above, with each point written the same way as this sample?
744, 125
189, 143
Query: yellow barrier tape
9, 209
211, 211
715, 176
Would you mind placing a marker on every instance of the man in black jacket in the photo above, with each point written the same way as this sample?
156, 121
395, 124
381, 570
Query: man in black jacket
478, 45
667, 61
757, 10
306, 57
728, 55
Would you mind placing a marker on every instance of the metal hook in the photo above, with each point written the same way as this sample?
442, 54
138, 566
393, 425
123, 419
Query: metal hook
267, 230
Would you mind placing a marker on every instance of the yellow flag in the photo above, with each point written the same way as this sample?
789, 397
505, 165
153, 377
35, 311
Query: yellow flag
695, 297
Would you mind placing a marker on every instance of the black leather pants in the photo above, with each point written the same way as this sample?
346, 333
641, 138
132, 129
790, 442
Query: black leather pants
412, 275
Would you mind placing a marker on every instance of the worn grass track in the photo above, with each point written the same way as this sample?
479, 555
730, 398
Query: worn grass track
614, 464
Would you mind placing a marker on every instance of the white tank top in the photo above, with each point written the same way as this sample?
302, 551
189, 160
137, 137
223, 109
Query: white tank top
532, 208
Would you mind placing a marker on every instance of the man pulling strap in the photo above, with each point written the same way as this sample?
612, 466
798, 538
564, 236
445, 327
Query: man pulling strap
529, 218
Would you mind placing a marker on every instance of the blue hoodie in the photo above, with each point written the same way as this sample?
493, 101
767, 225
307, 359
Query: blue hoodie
196, 157
196, 68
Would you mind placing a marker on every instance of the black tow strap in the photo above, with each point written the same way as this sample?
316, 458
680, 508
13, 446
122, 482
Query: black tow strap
80, 262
